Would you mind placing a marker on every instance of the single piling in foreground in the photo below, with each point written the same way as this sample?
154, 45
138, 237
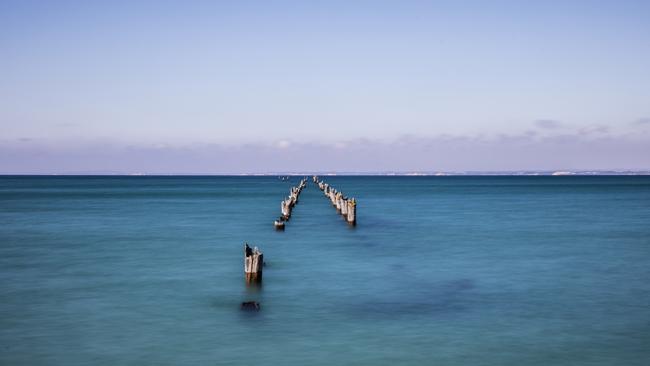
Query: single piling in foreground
253, 264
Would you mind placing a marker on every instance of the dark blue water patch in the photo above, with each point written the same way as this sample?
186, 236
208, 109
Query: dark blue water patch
421, 300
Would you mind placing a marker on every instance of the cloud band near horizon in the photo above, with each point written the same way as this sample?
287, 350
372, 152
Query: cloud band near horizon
584, 149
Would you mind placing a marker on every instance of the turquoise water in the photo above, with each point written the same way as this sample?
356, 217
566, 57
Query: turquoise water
439, 270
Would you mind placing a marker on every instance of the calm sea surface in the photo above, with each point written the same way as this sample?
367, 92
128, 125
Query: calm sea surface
439, 270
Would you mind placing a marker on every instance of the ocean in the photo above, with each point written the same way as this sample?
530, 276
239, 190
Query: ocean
459, 270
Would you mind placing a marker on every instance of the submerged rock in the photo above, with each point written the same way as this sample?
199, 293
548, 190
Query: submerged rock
250, 306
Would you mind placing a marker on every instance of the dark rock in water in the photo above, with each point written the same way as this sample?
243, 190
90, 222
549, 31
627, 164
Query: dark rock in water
250, 306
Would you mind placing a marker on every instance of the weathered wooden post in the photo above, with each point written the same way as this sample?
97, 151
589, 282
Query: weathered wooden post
352, 211
286, 212
253, 264
344, 207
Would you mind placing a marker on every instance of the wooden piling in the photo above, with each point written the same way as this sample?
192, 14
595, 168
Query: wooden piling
285, 209
352, 212
253, 264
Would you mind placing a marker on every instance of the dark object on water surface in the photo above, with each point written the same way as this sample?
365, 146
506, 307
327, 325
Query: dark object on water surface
250, 306
247, 250
279, 224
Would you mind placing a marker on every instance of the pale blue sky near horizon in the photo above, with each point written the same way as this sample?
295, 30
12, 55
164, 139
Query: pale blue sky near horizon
246, 86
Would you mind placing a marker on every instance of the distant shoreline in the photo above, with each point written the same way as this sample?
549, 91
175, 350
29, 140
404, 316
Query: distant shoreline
374, 174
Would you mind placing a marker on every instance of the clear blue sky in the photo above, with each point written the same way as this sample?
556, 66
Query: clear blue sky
247, 86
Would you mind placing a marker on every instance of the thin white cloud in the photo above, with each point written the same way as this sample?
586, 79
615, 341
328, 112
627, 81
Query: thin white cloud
548, 124
593, 148
593, 130
283, 144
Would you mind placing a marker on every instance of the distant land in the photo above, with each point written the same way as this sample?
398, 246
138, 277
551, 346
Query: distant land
387, 173
444, 173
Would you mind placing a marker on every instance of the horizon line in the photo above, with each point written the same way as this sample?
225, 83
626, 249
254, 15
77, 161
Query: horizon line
565, 172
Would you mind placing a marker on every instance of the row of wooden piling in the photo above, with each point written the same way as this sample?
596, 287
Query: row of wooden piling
253, 257
347, 207
287, 205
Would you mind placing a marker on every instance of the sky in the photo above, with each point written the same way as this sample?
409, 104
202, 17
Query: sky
229, 87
